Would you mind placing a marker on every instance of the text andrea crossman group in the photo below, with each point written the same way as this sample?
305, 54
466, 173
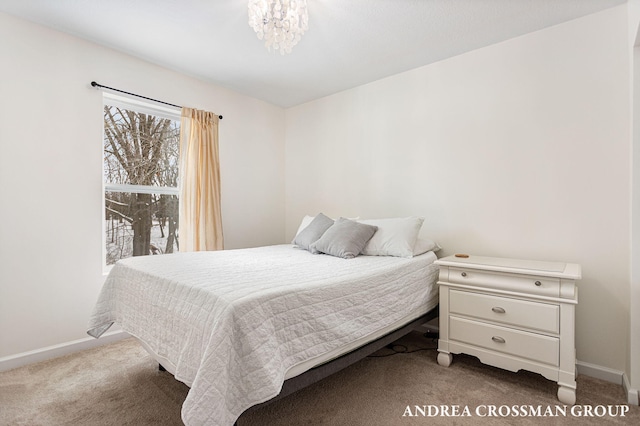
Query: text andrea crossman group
516, 411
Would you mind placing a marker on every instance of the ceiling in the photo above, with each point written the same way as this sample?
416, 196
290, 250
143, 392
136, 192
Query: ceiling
349, 42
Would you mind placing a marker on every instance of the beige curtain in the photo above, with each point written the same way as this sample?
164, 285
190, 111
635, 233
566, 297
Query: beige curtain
200, 212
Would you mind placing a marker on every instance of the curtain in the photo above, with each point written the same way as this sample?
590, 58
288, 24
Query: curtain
200, 211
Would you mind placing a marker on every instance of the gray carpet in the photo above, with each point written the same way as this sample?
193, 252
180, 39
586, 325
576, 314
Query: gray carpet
119, 384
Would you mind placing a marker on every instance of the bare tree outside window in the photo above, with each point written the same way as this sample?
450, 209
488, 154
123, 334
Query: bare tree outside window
141, 178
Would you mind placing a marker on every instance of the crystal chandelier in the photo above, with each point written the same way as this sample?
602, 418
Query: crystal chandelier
280, 23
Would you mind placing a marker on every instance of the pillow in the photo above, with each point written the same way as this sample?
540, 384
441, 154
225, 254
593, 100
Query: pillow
395, 237
345, 238
305, 222
313, 231
424, 245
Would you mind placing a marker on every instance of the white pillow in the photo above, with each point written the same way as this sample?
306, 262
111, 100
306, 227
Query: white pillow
394, 237
305, 222
424, 245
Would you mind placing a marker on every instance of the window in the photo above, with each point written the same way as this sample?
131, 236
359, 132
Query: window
141, 149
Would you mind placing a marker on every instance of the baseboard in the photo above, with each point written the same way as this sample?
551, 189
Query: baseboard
610, 375
50, 352
599, 372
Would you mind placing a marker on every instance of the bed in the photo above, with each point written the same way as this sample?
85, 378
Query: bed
234, 325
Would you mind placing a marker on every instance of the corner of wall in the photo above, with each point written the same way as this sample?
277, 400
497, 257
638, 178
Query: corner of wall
611, 376
633, 11
632, 394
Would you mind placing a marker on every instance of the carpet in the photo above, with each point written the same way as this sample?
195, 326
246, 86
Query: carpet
119, 384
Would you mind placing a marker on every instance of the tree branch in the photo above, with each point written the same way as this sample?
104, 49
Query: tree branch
128, 219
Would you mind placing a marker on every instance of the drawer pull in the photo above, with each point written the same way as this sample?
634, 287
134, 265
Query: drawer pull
498, 339
464, 274
498, 310
538, 283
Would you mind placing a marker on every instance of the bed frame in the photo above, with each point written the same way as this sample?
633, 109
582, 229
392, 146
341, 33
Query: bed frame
322, 371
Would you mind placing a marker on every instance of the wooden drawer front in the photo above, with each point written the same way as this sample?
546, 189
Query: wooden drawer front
521, 283
521, 313
536, 347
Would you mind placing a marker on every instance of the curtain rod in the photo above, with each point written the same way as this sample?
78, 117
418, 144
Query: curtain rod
94, 84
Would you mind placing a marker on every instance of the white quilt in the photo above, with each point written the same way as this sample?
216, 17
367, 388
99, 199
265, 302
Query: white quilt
233, 322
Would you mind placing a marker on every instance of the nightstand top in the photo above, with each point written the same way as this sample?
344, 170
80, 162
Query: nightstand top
518, 266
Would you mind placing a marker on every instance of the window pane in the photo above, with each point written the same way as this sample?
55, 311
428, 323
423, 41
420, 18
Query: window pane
140, 149
140, 224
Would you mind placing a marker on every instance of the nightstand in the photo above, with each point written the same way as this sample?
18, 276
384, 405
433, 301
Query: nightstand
513, 314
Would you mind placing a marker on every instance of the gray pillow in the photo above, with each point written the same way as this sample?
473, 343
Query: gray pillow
346, 239
313, 232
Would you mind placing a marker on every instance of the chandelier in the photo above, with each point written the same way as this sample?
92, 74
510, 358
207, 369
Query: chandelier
280, 23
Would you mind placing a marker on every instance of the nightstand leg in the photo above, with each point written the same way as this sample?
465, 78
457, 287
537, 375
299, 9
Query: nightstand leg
444, 359
566, 395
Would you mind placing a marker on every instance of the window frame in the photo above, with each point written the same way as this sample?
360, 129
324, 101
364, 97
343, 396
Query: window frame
145, 107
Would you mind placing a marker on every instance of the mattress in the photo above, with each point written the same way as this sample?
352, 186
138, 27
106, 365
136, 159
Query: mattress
234, 324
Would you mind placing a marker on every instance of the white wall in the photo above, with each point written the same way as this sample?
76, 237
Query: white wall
520, 149
634, 297
51, 174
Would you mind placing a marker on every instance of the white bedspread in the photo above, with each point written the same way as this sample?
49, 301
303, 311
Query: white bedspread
233, 322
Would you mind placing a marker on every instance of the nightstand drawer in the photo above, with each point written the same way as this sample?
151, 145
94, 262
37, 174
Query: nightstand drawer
519, 283
535, 347
521, 313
